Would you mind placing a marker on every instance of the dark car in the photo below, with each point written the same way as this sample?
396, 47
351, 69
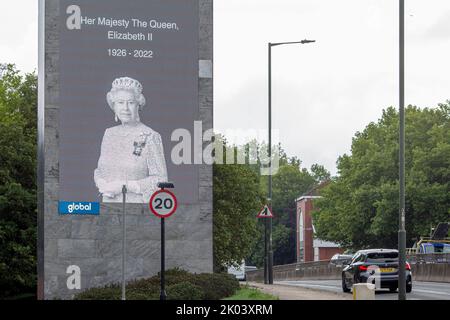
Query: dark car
376, 266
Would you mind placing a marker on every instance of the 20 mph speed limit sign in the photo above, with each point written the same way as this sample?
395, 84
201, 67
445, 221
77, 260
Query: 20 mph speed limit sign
163, 203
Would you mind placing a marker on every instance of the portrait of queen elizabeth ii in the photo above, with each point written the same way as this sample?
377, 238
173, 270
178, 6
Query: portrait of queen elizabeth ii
131, 154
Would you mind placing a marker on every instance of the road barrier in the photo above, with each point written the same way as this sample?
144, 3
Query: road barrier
439, 272
424, 267
300, 271
428, 258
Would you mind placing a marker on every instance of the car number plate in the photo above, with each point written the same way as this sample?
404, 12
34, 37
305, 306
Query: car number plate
387, 270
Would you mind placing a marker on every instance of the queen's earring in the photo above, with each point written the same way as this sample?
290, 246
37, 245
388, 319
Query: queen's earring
116, 118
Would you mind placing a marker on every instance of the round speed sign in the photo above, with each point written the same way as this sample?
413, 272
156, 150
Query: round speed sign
163, 203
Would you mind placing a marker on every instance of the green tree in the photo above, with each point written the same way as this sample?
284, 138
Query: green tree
237, 200
18, 97
359, 208
320, 173
280, 243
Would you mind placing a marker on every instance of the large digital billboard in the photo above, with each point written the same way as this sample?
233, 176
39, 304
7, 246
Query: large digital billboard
125, 94
128, 80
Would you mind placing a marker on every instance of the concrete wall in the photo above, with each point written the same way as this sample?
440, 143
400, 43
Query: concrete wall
430, 267
94, 242
439, 272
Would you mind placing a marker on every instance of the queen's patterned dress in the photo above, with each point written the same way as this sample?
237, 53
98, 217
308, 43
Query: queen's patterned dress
131, 155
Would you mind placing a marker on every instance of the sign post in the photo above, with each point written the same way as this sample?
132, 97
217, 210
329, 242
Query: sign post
124, 250
163, 204
266, 212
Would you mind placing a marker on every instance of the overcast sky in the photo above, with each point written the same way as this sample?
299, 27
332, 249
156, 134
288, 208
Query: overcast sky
322, 92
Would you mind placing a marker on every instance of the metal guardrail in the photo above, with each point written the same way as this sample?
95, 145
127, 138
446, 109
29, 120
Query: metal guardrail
427, 258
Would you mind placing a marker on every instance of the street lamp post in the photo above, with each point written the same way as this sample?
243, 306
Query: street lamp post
402, 230
268, 254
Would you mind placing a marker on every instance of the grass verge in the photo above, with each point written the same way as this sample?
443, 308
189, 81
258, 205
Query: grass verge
248, 293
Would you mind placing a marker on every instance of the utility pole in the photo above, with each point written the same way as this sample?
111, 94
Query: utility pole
402, 229
268, 252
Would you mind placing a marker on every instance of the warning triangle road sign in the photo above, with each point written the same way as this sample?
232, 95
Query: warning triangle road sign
265, 212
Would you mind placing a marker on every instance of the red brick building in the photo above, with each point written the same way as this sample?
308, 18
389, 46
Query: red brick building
308, 248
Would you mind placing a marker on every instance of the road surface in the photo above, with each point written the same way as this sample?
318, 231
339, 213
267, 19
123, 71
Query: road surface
421, 290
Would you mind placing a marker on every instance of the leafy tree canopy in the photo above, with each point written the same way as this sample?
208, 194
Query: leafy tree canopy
17, 181
237, 200
360, 207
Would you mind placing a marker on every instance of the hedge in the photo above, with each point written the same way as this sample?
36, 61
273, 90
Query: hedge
180, 285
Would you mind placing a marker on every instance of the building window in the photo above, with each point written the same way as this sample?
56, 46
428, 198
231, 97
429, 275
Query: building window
300, 227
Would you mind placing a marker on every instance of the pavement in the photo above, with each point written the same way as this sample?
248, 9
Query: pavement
289, 292
421, 290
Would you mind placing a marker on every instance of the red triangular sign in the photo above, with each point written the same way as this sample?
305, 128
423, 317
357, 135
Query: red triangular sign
265, 212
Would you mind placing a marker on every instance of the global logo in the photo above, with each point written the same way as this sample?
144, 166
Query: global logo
79, 208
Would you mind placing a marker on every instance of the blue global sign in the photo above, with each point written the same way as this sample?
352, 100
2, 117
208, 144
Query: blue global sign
79, 208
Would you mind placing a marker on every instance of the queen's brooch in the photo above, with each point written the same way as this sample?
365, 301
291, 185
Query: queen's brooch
140, 144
